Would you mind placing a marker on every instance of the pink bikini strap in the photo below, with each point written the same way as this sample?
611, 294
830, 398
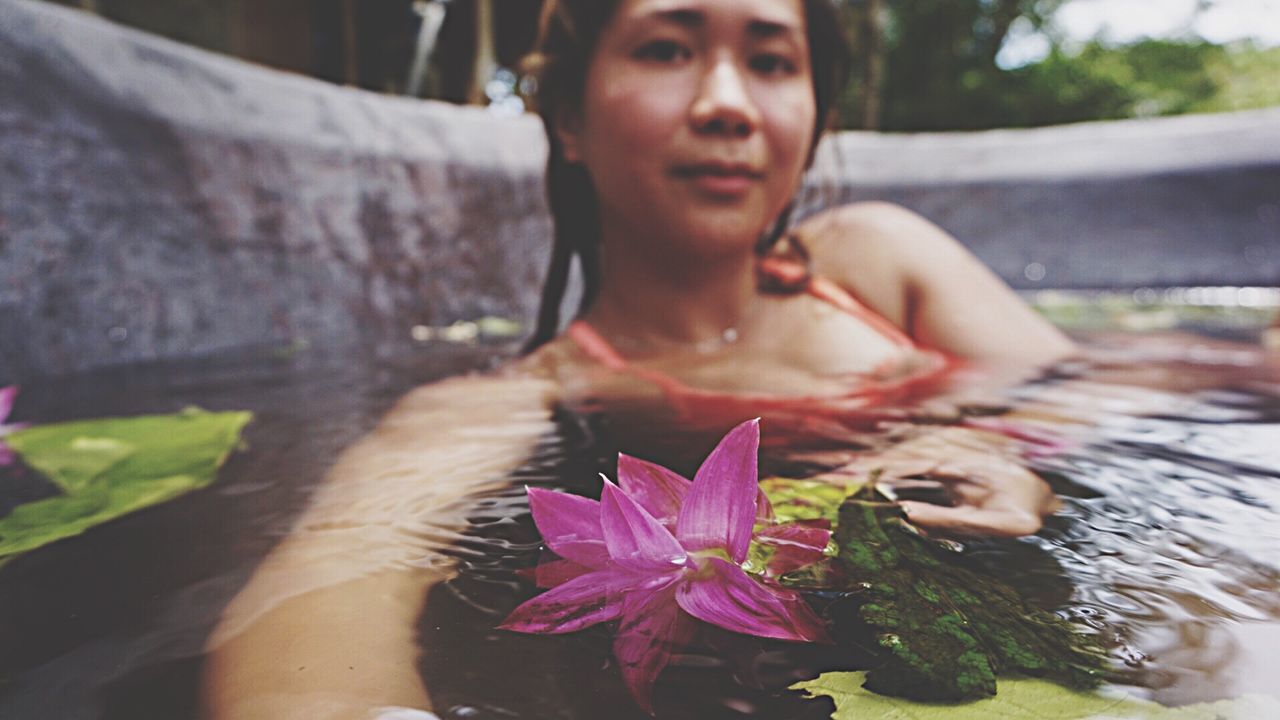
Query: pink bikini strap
824, 289
595, 346
791, 272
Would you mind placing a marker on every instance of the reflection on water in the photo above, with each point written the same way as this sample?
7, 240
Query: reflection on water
112, 623
1167, 545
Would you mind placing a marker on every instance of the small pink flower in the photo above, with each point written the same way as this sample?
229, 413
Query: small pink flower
658, 551
7, 395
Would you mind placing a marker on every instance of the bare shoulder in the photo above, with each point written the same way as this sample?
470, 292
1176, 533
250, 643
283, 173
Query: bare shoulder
870, 216
879, 251
876, 231
925, 281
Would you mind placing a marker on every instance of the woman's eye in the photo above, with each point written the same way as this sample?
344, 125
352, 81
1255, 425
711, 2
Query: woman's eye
770, 64
663, 51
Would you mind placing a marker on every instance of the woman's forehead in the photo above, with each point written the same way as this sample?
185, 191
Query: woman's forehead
778, 14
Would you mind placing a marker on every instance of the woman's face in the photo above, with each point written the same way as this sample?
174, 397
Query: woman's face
696, 120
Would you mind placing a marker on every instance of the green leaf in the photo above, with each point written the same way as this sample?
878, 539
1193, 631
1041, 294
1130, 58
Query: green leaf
73, 465
947, 631
111, 467
1020, 699
810, 499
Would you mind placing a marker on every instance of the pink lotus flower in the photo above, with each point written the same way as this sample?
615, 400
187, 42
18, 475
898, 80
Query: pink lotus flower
7, 394
659, 551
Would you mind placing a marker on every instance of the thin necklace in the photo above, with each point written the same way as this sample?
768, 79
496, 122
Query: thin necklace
725, 338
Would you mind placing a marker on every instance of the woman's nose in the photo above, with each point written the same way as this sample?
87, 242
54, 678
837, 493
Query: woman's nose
724, 105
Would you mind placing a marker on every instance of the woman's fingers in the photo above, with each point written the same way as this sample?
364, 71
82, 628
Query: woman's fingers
968, 520
1010, 504
989, 492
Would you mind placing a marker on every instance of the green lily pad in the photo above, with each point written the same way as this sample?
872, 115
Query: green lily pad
948, 631
108, 468
1021, 699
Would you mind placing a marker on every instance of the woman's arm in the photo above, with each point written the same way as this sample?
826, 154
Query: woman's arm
922, 279
326, 626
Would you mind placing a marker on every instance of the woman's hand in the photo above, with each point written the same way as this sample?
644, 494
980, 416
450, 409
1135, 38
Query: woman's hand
991, 491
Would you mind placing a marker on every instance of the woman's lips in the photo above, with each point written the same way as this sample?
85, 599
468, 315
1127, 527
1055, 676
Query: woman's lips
720, 179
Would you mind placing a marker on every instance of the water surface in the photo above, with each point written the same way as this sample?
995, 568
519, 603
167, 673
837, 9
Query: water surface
1167, 545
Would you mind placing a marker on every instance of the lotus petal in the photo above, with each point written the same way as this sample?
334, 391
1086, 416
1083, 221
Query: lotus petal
7, 395
795, 545
581, 602
729, 598
764, 508
720, 509
635, 539
622, 560
550, 573
653, 627
570, 526
658, 490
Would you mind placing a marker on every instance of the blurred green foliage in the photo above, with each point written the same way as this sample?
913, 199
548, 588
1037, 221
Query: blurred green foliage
1247, 78
941, 73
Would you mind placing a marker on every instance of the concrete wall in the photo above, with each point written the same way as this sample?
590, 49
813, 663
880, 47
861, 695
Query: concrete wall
158, 201
1173, 201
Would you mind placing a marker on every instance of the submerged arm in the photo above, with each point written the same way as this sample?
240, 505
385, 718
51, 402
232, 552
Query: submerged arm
326, 628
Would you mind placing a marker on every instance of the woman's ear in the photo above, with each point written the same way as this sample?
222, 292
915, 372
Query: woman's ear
569, 134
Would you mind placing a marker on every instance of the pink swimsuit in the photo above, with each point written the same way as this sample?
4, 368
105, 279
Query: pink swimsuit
838, 417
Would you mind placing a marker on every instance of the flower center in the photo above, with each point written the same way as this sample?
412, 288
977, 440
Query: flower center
703, 570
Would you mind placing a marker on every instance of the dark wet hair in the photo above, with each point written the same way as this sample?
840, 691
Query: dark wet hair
567, 39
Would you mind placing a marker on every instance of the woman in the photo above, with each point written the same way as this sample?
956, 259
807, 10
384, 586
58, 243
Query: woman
679, 132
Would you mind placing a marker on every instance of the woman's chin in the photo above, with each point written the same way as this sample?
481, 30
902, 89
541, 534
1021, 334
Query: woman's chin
714, 235
705, 247
700, 233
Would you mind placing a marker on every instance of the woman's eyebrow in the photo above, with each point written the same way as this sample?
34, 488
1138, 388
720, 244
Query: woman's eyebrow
771, 28
694, 19
686, 18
